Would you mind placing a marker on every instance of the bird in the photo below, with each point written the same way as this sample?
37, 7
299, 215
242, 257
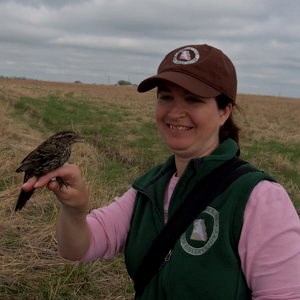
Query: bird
48, 156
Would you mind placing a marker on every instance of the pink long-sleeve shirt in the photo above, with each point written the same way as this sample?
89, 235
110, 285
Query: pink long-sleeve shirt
269, 246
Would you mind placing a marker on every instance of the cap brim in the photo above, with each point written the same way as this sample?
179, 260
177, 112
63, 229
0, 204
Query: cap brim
185, 81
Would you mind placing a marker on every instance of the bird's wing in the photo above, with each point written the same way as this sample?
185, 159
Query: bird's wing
42, 155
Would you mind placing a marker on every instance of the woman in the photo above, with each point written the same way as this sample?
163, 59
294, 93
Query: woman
235, 248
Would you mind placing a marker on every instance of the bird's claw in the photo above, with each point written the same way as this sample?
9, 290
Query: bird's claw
61, 183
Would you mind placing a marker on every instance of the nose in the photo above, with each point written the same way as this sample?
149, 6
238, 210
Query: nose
177, 109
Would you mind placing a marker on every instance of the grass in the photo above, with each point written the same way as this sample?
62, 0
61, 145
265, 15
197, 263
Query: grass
281, 161
121, 143
114, 124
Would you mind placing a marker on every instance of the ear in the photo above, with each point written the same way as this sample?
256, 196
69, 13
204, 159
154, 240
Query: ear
225, 113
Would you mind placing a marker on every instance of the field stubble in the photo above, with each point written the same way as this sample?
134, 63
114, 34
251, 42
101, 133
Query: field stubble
121, 143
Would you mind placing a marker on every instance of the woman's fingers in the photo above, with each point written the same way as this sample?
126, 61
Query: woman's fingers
65, 182
64, 172
29, 184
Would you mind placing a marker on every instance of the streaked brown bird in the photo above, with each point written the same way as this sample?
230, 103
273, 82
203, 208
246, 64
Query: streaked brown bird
48, 156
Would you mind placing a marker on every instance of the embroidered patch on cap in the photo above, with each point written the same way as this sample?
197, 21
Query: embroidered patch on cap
186, 56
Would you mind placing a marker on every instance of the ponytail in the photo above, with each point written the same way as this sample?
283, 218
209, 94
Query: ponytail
229, 129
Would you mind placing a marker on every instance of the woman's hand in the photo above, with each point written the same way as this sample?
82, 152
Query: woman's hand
72, 194
72, 230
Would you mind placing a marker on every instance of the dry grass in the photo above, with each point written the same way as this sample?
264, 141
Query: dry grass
272, 118
30, 266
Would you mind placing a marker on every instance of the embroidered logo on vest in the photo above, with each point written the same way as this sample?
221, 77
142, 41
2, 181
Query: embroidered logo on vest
201, 233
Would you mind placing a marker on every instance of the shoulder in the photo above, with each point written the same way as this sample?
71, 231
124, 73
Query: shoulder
155, 173
269, 203
267, 194
147, 177
266, 186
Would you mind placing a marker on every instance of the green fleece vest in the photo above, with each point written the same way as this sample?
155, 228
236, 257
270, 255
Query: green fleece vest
204, 263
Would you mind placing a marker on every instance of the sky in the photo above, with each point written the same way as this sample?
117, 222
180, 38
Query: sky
104, 41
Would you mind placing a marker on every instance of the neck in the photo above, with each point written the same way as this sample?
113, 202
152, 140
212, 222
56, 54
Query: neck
181, 164
182, 161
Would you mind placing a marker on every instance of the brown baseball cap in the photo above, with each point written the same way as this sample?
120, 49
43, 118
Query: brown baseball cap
201, 69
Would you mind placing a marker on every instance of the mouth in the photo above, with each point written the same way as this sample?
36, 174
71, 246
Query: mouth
179, 127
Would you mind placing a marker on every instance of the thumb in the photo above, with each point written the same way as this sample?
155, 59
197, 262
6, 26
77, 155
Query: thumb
53, 185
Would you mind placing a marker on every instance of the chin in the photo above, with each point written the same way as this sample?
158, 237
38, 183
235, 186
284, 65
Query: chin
178, 149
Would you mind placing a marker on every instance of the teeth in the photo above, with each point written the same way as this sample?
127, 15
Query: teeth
179, 127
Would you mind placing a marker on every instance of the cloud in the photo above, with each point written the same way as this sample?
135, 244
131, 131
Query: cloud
105, 41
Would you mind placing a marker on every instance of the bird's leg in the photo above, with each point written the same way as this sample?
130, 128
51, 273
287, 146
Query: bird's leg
60, 182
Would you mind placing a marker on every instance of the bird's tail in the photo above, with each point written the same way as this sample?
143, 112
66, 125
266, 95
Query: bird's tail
23, 198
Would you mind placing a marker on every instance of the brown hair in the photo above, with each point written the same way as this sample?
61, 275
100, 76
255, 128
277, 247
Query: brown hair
229, 129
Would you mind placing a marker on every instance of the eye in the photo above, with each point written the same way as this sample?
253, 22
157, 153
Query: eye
164, 96
194, 99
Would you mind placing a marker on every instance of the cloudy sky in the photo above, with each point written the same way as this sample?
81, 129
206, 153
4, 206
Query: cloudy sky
103, 41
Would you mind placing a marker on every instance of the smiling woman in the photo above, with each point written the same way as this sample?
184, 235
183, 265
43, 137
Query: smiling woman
233, 248
189, 124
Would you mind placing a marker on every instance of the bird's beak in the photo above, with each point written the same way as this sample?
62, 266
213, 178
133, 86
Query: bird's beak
79, 139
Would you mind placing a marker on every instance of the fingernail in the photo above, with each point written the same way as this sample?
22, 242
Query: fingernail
36, 185
25, 184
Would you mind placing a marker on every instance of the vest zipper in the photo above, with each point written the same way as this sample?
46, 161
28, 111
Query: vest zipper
166, 259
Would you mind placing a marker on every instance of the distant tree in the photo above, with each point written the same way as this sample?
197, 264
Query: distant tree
124, 82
